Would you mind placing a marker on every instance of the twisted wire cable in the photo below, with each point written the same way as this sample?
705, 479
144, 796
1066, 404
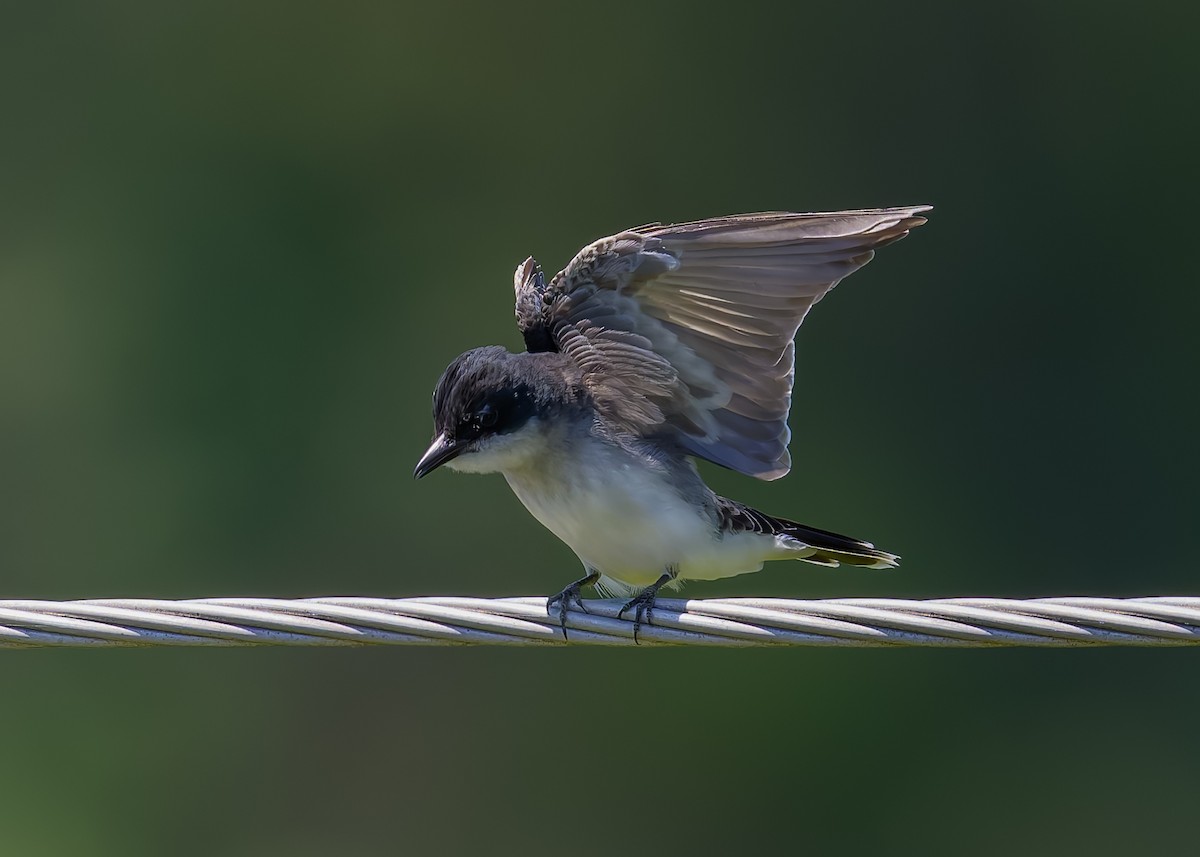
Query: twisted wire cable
880, 622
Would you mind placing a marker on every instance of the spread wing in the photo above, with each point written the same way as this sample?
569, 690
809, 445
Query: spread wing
685, 331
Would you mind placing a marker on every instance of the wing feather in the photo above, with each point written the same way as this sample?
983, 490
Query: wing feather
687, 330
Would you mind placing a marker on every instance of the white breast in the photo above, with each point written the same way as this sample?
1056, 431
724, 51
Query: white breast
629, 522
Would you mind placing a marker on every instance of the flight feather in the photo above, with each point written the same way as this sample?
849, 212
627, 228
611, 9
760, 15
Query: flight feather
685, 331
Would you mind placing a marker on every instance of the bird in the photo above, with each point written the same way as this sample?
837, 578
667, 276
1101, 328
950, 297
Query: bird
655, 347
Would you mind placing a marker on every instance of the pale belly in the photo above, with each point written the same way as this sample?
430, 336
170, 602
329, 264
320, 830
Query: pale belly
631, 526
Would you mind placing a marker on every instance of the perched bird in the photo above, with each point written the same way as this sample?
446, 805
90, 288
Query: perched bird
654, 347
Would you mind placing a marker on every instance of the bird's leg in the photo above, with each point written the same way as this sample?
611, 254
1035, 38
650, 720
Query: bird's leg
569, 594
643, 602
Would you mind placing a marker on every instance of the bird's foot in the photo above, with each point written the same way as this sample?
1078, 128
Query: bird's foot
567, 596
643, 602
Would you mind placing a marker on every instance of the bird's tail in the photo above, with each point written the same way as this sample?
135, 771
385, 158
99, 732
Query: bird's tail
802, 541
832, 550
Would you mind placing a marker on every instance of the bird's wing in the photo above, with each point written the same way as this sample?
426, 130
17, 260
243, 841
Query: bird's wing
686, 330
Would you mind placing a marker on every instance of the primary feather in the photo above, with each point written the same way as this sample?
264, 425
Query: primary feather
685, 331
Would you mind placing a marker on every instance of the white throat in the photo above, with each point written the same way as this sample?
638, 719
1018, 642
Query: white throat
505, 453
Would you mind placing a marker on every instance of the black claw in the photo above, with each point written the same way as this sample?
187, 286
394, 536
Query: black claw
642, 606
568, 595
643, 603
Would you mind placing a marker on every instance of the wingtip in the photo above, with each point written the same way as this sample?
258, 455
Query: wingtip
916, 216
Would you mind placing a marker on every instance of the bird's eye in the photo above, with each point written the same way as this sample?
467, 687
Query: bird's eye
486, 416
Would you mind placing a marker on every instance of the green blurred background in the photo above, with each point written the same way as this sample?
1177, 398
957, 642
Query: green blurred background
239, 242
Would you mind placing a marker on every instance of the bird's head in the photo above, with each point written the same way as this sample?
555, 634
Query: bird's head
486, 410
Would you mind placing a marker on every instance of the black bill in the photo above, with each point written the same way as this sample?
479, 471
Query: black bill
439, 452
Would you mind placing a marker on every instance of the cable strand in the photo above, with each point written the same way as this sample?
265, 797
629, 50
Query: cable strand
731, 622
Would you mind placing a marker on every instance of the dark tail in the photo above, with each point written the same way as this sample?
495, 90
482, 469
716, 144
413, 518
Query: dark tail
812, 545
